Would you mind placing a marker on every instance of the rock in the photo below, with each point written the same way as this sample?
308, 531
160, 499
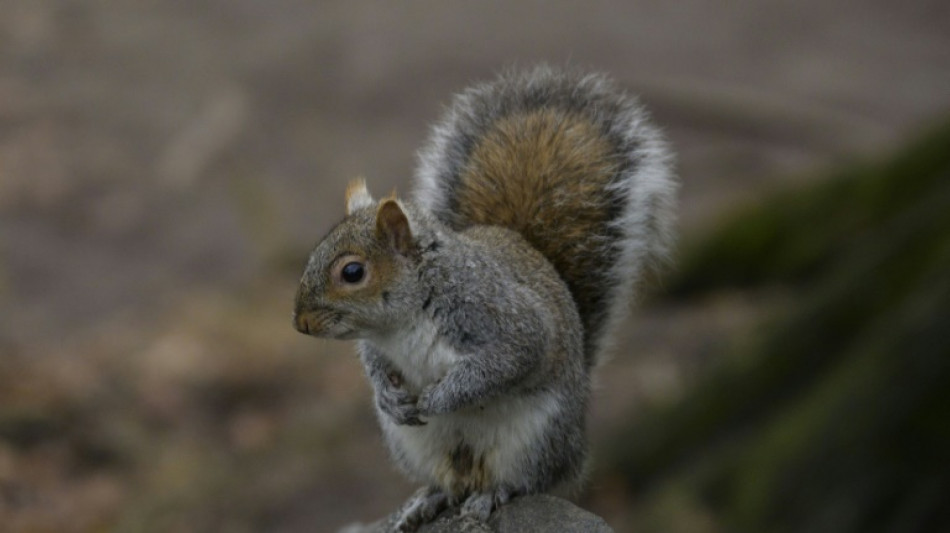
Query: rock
528, 514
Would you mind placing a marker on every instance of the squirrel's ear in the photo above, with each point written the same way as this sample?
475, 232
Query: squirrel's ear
393, 226
357, 196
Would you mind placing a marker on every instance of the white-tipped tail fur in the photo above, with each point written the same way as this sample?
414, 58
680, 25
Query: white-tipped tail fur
642, 191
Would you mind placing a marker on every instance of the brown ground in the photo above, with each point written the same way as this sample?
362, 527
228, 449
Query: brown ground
164, 167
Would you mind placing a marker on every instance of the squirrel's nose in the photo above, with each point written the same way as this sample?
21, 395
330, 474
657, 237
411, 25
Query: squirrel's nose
302, 323
312, 322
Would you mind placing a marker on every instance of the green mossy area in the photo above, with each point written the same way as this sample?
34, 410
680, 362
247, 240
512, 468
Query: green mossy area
836, 416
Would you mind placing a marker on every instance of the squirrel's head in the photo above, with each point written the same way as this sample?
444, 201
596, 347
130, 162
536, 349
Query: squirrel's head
357, 278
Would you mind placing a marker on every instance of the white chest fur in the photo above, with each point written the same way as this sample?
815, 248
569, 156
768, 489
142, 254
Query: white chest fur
501, 435
419, 353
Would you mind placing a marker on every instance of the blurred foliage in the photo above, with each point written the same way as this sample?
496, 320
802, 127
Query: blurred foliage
837, 418
218, 417
800, 234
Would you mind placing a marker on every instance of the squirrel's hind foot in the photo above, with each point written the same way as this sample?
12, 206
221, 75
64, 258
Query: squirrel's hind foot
480, 505
428, 502
421, 508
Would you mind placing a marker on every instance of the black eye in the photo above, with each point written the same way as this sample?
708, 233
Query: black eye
353, 272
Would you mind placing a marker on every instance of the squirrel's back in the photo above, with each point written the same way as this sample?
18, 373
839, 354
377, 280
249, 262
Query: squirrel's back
570, 162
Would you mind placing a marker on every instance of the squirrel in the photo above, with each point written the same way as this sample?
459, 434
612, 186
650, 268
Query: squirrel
482, 304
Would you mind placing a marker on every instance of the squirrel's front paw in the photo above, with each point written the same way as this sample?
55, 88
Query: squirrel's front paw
430, 402
399, 404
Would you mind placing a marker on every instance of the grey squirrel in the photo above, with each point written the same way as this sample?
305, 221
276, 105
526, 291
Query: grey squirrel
482, 304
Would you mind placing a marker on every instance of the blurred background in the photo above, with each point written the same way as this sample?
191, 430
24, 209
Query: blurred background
165, 167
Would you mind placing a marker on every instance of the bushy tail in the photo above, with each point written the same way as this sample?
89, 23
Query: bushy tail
572, 164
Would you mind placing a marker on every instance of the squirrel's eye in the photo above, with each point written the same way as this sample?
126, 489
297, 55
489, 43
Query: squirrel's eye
353, 272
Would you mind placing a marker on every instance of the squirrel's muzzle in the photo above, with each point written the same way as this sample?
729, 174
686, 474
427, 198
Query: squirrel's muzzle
314, 323
321, 323
302, 323
310, 318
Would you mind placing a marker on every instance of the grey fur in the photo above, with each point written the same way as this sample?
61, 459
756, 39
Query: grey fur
506, 331
475, 348
643, 191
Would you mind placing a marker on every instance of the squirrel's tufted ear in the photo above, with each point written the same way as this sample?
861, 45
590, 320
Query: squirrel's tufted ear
393, 226
357, 197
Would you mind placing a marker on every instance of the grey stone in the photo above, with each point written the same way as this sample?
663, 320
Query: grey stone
528, 514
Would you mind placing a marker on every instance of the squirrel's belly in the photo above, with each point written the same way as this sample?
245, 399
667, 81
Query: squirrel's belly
479, 448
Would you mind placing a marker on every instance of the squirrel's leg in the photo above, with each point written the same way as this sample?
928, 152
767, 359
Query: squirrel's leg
421, 508
391, 397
